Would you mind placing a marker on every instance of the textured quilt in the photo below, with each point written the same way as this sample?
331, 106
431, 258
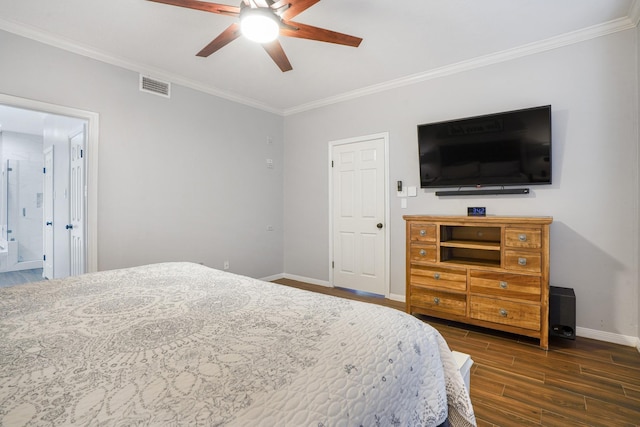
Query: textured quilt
181, 344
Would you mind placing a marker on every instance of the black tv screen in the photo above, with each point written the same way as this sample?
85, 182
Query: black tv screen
510, 148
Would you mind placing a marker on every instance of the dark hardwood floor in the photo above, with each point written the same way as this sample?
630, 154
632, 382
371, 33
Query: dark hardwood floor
579, 382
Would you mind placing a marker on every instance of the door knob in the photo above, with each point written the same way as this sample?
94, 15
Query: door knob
69, 226
379, 225
49, 223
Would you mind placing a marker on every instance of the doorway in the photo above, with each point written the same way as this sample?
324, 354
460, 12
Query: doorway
62, 128
359, 210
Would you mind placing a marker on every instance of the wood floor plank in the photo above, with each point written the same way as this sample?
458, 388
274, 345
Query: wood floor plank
553, 419
513, 407
545, 365
614, 414
588, 387
483, 423
629, 358
632, 393
499, 416
585, 347
487, 386
550, 399
613, 373
505, 377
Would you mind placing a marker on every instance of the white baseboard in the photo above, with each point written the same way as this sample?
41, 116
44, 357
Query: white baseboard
608, 337
324, 283
397, 297
272, 278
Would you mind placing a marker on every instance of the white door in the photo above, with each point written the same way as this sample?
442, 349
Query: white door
359, 206
47, 234
77, 204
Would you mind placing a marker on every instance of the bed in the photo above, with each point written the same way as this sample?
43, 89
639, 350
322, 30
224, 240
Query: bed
183, 344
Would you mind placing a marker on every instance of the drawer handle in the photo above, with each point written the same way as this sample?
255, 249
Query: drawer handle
503, 285
522, 261
423, 232
436, 276
423, 252
522, 237
436, 300
503, 312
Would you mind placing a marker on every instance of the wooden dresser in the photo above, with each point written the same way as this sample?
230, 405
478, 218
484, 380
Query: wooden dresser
486, 271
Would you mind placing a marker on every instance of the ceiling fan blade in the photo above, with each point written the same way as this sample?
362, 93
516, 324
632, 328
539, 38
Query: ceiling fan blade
303, 31
296, 7
227, 36
275, 51
221, 9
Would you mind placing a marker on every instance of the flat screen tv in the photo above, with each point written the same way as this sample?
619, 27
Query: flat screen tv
510, 148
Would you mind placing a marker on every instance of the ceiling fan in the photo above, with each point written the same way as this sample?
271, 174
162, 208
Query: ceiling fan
273, 14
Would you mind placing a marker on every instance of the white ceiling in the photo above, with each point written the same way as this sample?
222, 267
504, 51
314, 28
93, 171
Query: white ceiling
404, 41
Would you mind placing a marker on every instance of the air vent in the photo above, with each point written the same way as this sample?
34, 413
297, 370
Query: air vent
158, 87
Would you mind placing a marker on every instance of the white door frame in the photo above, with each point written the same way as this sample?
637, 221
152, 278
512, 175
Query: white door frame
48, 271
384, 136
91, 164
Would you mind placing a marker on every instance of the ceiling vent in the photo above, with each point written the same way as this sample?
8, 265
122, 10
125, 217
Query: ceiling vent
155, 86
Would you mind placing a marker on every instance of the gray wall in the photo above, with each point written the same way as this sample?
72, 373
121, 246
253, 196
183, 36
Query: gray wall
179, 179
592, 87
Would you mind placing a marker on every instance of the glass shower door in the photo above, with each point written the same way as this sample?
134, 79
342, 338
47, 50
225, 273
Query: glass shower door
24, 208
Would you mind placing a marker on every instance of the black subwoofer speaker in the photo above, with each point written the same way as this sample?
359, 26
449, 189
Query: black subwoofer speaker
562, 312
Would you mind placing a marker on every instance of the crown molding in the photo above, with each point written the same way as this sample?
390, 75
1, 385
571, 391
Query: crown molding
634, 12
482, 61
87, 51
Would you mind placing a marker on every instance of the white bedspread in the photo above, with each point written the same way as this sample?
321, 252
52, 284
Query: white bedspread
182, 344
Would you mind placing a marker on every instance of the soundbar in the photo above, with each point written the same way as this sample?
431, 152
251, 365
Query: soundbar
483, 192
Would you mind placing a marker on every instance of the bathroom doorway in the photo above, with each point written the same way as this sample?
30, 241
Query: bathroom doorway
26, 135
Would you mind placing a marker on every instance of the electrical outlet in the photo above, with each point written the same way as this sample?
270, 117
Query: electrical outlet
225, 266
270, 163
270, 228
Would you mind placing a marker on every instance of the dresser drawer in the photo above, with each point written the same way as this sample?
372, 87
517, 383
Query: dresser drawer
421, 232
421, 252
528, 238
505, 285
522, 315
523, 261
439, 301
439, 278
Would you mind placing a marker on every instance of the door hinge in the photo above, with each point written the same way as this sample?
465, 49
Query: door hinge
333, 264
331, 163
44, 170
44, 257
81, 154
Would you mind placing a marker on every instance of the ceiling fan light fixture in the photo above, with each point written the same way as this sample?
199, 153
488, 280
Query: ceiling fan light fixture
259, 25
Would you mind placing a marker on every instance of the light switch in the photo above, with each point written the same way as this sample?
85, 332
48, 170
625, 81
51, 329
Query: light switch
403, 203
412, 191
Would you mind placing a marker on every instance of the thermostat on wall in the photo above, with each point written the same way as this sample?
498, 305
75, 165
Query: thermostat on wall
476, 211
